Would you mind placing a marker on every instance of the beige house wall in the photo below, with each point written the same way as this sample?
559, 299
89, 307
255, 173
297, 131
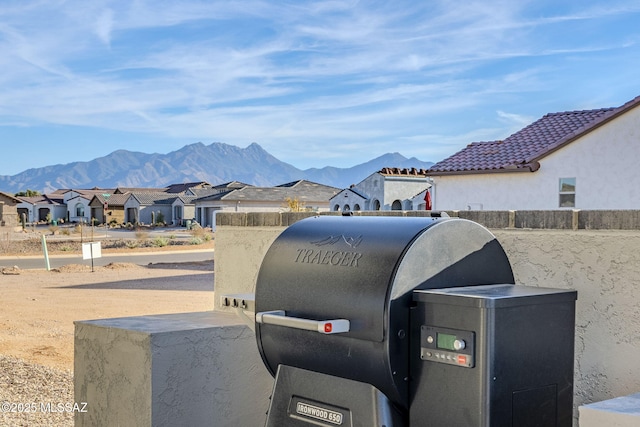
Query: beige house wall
8, 213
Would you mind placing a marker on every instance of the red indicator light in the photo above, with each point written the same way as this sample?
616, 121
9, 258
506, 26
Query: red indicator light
328, 327
462, 360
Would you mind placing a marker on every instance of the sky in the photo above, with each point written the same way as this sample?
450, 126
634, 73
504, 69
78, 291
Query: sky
315, 83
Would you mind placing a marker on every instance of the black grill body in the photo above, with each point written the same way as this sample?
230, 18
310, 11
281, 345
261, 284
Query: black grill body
364, 269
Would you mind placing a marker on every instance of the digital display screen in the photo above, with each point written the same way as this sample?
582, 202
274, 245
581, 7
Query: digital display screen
445, 341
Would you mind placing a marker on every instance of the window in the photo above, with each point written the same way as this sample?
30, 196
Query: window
79, 209
567, 193
336, 208
396, 205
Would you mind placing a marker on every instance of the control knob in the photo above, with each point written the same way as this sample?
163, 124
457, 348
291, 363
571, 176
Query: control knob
459, 345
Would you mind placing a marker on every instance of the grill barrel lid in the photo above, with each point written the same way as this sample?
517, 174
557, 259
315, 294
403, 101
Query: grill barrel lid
364, 269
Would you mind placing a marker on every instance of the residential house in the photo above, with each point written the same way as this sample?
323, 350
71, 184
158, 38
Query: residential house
46, 207
387, 189
152, 207
183, 209
570, 160
109, 208
245, 198
8, 210
78, 203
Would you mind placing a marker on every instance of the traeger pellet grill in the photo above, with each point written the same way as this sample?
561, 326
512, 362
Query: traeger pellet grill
390, 321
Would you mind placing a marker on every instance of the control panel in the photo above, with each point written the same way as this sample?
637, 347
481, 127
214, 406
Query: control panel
450, 346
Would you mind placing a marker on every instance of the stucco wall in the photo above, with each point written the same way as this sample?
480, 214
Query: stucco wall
8, 215
403, 190
604, 163
185, 369
238, 255
373, 187
384, 189
72, 209
603, 266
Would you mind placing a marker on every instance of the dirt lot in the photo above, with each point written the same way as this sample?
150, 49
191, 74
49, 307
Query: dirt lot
38, 307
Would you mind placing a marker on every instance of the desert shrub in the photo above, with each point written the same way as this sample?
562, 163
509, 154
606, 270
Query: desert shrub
132, 244
160, 241
203, 234
53, 229
195, 241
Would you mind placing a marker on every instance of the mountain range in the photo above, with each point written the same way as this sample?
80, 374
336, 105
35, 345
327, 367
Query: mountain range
216, 163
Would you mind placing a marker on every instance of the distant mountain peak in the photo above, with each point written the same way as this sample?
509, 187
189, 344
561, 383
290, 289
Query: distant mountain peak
215, 163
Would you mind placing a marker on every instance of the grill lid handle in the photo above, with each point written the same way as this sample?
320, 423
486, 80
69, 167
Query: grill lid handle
280, 318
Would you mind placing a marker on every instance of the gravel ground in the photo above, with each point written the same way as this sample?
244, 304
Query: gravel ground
35, 395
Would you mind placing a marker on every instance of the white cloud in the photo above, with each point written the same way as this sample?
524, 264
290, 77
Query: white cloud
358, 73
515, 121
104, 25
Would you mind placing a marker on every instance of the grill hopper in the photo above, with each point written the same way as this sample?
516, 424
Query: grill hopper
364, 269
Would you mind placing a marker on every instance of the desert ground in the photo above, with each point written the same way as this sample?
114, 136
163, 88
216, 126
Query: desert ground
38, 308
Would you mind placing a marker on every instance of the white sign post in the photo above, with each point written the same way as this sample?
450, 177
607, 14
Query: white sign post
91, 250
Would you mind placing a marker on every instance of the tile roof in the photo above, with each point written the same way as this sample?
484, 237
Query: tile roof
92, 191
123, 190
421, 173
11, 197
115, 199
302, 190
523, 149
354, 191
222, 188
149, 198
231, 185
187, 199
204, 192
49, 199
182, 187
